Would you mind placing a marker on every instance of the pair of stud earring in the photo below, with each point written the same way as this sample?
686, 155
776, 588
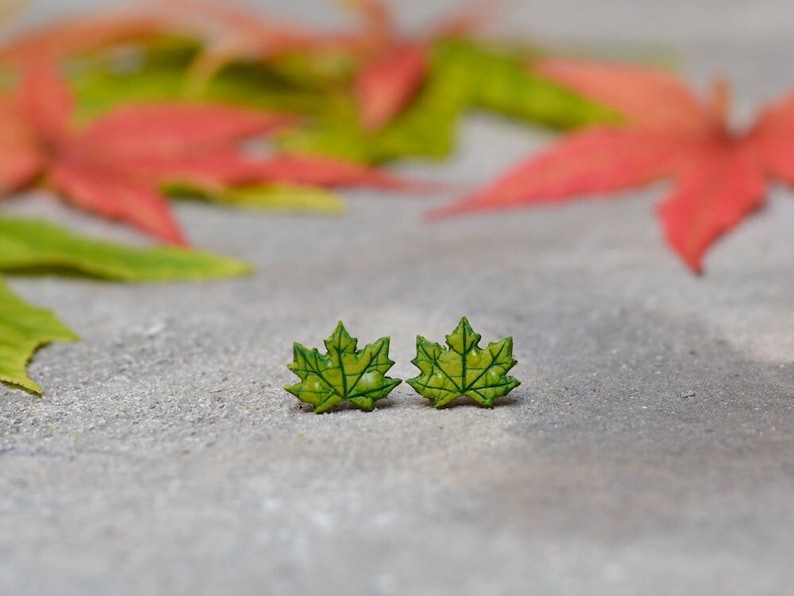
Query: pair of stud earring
345, 373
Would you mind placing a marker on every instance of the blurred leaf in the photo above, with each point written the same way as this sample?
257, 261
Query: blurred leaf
275, 197
719, 176
24, 328
157, 72
464, 75
426, 128
114, 167
32, 245
318, 68
499, 79
134, 76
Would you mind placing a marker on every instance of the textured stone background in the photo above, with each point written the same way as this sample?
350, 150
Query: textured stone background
165, 458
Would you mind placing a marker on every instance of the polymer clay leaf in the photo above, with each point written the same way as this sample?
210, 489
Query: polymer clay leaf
344, 373
32, 245
116, 165
719, 175
463, 368
24, 328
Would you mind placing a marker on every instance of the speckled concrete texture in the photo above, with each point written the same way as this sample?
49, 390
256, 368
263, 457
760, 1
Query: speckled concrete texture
649, 449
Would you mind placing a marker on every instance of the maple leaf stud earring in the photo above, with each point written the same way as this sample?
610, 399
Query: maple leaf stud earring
463, 369
343, 373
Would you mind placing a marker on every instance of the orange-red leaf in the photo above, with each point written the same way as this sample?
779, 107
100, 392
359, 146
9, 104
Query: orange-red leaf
395, 68
17, 170
716, 191
212, 171
46, 102
111, 195
384, 87
772, 139
319, 171
19, 156
593, 161
719, 175
165, 130
115, 166
648, 98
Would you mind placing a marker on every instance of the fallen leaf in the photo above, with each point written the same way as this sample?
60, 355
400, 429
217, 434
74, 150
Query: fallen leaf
156, 72
32, 246
394, 66
463, 369
465, 75
426, 128
287, 198
344, 373
115, 165
320, 171
493, 77
25, 328
390, 68
35, 246
390, 82
719, 175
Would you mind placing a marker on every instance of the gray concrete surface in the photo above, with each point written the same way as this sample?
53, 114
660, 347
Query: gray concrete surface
650, 449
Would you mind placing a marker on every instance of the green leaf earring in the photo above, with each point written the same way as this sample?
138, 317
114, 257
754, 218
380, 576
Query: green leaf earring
343, 373
463, 369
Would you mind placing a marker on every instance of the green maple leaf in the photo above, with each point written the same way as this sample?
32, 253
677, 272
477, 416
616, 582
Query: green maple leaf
33, 246
24, 328
343, 373
158, 74
463, 369
498, 79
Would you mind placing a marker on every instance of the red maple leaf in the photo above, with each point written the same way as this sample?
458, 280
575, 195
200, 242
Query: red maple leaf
719, 175
315, 170
392, 66
115, 166
395, 66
